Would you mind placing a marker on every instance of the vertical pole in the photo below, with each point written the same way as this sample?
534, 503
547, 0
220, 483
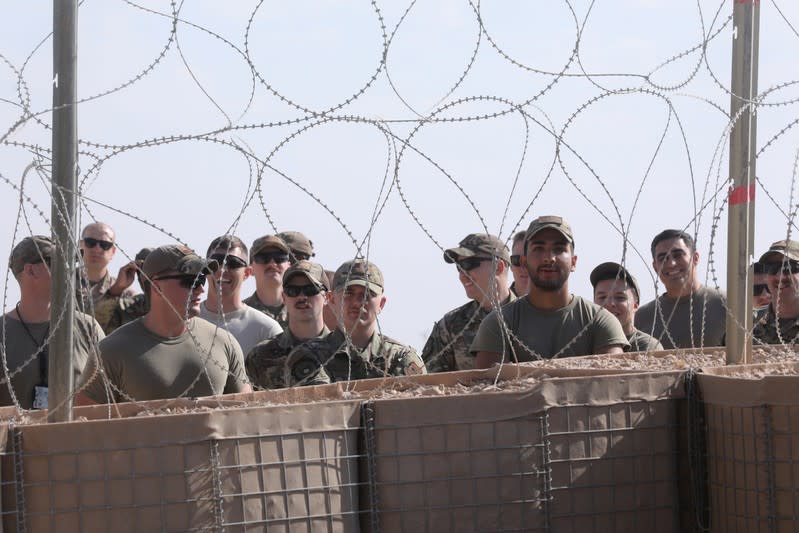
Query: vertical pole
740, 234
64, 184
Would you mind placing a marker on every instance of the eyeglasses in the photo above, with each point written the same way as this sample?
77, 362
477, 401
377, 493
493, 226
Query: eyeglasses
231, 262
91, 243
292, 291
516, 260
787, 268
265, 257
187, 281
470, 263
760, 287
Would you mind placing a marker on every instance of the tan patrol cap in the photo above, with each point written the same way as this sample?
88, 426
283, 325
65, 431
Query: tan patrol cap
177, 257
297, 242
789, 249
313, 271
358, 272
30, 250
611, 270
478, 245
559, 224
267, 241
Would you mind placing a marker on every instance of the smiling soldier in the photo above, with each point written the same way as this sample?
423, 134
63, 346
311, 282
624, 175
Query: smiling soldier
780, 323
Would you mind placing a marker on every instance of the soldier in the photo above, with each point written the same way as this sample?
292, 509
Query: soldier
550, 321
169, 352
357, 299
677, 317
269, 260
224, 306
300, 246
521, 279
26, 329
271, 364
761, 296
482, 261
780, 323
616, 290
116, 312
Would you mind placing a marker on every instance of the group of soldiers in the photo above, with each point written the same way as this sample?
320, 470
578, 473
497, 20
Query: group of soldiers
304, 325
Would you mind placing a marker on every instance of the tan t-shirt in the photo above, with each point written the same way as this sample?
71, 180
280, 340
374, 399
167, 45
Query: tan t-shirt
141, 365
685, 317
19, 350
580, 328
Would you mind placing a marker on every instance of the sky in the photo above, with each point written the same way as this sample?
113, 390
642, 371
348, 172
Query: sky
392, 130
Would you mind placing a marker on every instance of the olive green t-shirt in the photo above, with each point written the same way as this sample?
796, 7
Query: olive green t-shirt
579, 328
642, 342
685, 318
204, 361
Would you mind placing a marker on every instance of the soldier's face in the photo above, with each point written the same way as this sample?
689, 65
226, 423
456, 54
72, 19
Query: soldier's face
783, 284
271, 273
304, 308
762, 297
675, 264
549, 260
172, 293
618, 298
477, 281
228, 279
357, 307
95, 256
520, 274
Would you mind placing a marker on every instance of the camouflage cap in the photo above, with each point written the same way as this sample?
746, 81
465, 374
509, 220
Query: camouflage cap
176, 257
313, 271
478, 245
358, 272
30, 250
559, 224
297, 242
267, 241
611, 270
142, 255
789, 249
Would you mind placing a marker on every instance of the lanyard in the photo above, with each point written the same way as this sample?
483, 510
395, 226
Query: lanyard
42, 353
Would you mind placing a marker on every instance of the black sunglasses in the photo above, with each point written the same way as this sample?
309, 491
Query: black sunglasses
265, 257
231, 262
470, 263
299, 257
292, 291
787, 268
760, 287
89, 242
516, 260
187, 281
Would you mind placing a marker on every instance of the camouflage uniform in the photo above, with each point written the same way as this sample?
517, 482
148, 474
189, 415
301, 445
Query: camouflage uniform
112, 313
279, 313
280, 362
447, 348
765, 330
94, 298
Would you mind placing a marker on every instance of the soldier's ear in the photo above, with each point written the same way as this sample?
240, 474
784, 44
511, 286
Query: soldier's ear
382, 304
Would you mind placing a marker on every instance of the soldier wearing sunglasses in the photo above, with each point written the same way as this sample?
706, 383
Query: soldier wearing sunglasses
780, 323
482, 263
269, 260
112, 313
25, 329
761, 296
224, 306
292, 357
521, 279
169, 352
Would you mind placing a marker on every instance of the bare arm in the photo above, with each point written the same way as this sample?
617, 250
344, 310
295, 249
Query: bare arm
487, 359
608, 350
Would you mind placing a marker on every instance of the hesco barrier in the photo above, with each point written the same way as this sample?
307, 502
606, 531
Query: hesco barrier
543, 450
752, 419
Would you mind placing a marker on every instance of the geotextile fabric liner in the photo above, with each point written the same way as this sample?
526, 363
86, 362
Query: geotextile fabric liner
752, 421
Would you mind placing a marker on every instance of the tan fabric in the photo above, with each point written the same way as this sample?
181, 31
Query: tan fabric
19, 348
580, 328
685, 318
145, 366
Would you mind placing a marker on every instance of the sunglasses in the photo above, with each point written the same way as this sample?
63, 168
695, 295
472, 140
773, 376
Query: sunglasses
787, 268
292, 291
187, 281
516, 260
299, 257
470, 263
231, 262
91, 243
265, 257
760, 287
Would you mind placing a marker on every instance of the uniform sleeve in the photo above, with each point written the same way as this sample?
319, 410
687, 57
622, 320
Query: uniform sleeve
489, 336
237, 376
408, 363
438, 354
608, 332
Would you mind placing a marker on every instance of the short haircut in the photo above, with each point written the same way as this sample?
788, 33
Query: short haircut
227, 242
759, 268
608, 274
668, 234
519, 237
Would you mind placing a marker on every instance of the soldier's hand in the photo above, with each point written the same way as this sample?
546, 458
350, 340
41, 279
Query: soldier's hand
127, 274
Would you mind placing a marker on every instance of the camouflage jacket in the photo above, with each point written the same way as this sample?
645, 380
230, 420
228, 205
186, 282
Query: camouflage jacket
282, 361
112, 313
279, 313
94, 299
447, 348
765, 329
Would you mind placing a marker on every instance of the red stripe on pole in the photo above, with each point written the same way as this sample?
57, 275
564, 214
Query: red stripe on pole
742, 195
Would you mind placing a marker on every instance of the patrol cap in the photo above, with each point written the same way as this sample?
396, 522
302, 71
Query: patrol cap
177, 257
30, 250
297, 242
611, 270
313, 271
478, 245
142, 255
267, 241
789, 249
559, 224
358, 272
